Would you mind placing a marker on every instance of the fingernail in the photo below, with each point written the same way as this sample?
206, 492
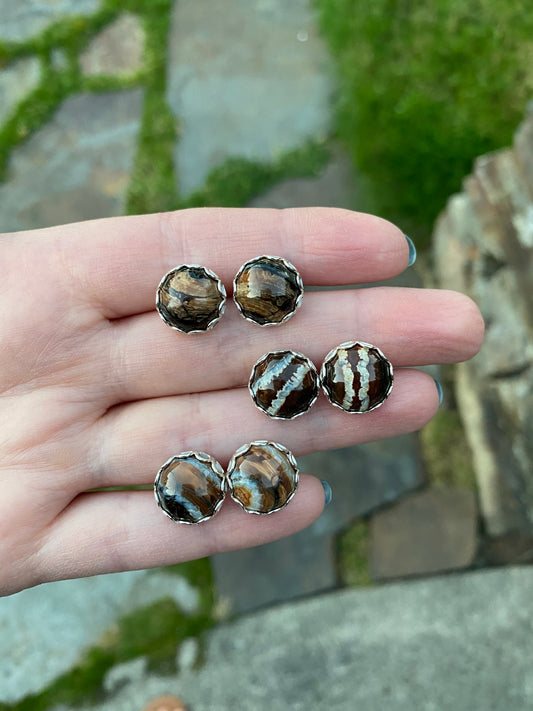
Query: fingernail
439, 390
327, 492
412, 250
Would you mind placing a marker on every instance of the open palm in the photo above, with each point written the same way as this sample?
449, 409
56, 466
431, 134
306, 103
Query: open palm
96, 392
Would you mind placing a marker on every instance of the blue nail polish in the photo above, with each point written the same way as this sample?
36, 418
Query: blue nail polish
412, 250
439, 390
327, 492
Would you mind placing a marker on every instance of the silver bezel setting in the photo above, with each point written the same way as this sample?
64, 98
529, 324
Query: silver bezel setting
204, 459
299, 281
243, 450
221, 290
348, 345
278, 352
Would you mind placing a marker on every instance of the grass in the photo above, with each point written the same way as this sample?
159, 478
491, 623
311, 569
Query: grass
425, 88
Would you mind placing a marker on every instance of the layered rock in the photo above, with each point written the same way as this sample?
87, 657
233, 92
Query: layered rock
483, 246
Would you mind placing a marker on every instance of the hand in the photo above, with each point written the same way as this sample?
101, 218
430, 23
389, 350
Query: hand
95, 391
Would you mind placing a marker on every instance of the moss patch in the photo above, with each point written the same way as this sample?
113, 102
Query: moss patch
352, 548
424, 89
237, 181
153, 632
446, 453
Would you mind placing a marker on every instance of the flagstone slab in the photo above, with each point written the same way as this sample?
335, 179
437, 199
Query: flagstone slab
21, 19
246, 78
77, 167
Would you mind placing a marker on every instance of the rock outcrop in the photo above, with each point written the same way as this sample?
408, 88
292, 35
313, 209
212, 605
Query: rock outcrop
483, 246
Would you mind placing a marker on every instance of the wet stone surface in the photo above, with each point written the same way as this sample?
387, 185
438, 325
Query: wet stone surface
284, 384
262, 477
267, 290
356, 377
190, 299
77, 167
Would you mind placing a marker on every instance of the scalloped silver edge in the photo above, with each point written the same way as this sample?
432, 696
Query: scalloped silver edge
317, 379
299, 298
205, 459
221, 290
351, 344
242, 450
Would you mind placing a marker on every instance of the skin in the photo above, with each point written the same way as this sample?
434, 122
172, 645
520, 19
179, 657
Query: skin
95, 391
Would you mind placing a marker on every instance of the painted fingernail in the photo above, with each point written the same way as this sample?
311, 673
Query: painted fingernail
439, 390
327, 492
412, 251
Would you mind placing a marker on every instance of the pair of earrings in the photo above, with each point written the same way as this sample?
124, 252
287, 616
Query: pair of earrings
262, 477
267, 291
355, 376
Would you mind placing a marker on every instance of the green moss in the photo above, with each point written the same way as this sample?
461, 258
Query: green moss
446, 453
352, 547
152, 187
424, 89
153, 632
199, 573
237, 181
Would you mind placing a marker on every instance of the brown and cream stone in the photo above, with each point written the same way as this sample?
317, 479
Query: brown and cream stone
267, 290
262, 477
190, 487
190, 298
284, 384
356, 377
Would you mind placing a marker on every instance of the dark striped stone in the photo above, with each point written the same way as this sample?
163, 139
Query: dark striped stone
190, 299
262, 477
190, 487
267, 290
284, 384
356, 377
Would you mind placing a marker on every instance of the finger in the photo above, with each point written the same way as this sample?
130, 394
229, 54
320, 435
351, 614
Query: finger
117, 263
114, 531
133, 441
411, 326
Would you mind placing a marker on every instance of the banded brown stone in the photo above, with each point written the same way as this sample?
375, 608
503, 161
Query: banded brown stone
190, 487
284, 384
190, 298
356, 377
267, 290
262, 477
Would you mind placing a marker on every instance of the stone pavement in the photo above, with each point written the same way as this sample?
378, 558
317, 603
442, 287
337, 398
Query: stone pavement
458, 643
242, 99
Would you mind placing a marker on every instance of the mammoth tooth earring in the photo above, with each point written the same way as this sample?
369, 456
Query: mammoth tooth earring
191, 298
190, 487
356, 377
284, 384
262, 477
267, 290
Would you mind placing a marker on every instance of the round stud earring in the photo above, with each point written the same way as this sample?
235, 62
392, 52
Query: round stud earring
356, 377
284, 384
190, 298
190, 487
267, 290
262, 477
